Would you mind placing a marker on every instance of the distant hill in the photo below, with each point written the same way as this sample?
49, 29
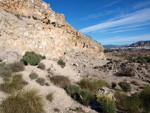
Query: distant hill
111, 46
140, 43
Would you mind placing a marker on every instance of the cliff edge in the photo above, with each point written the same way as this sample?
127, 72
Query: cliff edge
31, 25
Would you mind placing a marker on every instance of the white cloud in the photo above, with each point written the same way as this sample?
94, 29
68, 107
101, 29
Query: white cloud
138, 18
110, 4
120, 39
97, 15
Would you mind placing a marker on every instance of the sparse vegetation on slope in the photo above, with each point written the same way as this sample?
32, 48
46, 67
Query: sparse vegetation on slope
60, 81
23, 102
16, 66
10, 85
92, 85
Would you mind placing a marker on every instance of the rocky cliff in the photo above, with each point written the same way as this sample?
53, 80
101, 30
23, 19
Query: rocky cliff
31, 25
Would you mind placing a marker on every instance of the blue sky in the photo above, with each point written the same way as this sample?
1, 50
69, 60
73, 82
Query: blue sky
107, 21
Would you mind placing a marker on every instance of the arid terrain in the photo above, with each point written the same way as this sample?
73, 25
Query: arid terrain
47, 66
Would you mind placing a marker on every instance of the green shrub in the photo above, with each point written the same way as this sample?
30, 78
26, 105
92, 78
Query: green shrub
125, 86
41, 66
132, 105
23, 102
33, 75
61, 63
32, 58
86, 97
145, 98
41, 81
49, 97
106, 105
16, 66
73, 91
113, 85
10, 86
92, 85
60, 81
129, 104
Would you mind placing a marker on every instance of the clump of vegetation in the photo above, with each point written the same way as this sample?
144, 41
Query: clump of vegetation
106, 104
33, 75
145, 98
125, 86
41, 66
127, 71
60, 81
41, 81
61, 63
32, 58
86, 97
5, 73
49, 97
23, 102
16, 66
2, 66
56, 110
73, 91
10, 86
113, 85
47, 84
128, 104
92, 85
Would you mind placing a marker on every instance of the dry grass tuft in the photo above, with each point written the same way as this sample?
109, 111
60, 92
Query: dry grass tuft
23, 102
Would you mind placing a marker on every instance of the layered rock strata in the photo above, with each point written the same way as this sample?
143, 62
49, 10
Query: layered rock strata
31, 25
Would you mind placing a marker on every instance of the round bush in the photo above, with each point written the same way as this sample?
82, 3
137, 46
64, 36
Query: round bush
125, 86
31, 58
73, 91
86, 97
106, 105
113, 85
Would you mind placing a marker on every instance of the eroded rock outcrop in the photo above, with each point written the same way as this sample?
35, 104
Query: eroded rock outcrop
31, 25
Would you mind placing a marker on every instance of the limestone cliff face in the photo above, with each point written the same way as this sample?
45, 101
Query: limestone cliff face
31, 25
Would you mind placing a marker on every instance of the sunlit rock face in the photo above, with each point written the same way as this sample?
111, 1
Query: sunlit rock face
31, 25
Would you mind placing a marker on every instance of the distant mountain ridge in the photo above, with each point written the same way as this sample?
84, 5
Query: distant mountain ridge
140, 43
111, 46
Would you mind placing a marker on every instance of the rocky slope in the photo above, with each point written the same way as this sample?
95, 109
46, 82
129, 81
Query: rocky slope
31, 25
